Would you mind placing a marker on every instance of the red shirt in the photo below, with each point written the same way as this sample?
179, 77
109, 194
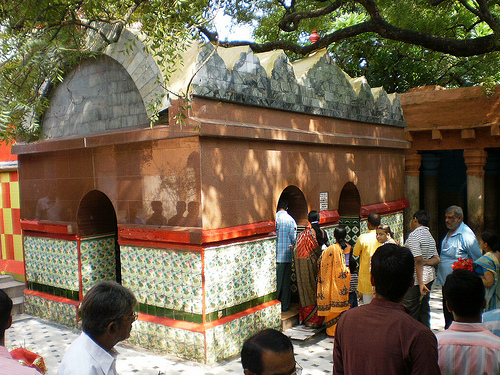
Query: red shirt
382, 338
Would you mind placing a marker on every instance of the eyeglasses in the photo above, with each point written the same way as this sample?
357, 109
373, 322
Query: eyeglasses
133, 316
298, 369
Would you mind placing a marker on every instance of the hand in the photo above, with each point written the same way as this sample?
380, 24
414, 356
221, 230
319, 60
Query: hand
424, 290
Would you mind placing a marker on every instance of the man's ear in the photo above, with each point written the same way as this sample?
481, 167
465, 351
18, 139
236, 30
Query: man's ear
372, 280
111, 328
248, 372
9, 324
449, 307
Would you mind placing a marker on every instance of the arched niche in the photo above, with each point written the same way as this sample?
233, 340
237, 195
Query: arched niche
96, 215
98, 231
349, 211
297, 204
349, 201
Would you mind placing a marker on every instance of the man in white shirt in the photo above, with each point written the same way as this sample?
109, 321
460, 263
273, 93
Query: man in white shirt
107, 316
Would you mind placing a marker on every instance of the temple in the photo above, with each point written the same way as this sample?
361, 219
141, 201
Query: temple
181, 211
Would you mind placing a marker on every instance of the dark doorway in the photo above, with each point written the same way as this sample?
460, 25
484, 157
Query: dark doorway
349, 210
297, 204
97, 225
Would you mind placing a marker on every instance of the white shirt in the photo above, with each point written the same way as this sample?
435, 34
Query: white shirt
85, 357
421, 243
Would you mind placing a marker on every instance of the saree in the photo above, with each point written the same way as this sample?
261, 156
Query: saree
333, 287
489, 262
306, 254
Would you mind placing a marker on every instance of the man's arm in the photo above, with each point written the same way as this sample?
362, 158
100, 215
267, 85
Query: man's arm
425, 354
434, 261
292, 233
338, 366
419, 268
472, 246
357, 248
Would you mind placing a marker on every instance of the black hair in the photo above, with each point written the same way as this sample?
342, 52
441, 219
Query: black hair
340, 233
5, 311
104, 303
266, 340
392, 269
313, 218
491, 238
374, 219
422, 217
464, 291
282, 203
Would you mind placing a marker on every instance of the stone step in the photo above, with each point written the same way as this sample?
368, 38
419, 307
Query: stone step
290, 317
15, 290
6, 278
18, 305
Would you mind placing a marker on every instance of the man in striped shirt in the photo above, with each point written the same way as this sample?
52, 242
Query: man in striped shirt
423, 247
467, 347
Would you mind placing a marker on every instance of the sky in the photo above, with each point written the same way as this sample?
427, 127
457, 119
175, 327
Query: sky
231, 32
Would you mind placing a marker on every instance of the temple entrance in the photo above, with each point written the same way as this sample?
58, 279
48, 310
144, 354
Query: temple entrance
297, 208
98, 232
297, 204
349, 210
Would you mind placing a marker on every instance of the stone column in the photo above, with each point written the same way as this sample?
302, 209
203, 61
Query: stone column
430, 181
491, 191
475, 160
412, 187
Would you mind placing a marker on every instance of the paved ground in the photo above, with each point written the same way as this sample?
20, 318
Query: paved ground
51, 341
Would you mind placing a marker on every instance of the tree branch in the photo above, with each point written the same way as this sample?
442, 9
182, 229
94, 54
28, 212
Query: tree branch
290, 21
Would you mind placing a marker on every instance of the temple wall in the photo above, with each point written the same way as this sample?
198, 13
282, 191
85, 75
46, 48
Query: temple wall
257, 127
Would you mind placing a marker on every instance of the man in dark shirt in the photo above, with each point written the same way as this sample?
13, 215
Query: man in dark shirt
381, 337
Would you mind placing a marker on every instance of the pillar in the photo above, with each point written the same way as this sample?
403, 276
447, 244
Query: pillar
430, 182
412, 187
491, 192
475, 160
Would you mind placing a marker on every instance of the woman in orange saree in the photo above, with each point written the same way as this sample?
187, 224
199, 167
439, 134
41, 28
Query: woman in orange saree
333, 282
306, 254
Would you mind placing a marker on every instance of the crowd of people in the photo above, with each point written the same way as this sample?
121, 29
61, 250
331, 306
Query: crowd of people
390, 331
373, 298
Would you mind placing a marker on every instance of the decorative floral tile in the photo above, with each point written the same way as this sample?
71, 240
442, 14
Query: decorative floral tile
52, 262
54, 311
170, 279
238, 273
98, 261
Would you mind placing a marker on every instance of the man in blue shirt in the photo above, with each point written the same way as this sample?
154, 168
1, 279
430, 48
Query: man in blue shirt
459, 242
286, 229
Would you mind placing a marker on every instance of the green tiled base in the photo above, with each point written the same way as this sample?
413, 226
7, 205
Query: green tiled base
58, 312
222, 341
71, 294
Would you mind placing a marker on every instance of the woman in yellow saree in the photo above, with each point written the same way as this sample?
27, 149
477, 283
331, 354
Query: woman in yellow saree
333, 282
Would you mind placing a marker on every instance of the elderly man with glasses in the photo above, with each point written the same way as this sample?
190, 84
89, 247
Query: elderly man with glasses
459, 242
107, 312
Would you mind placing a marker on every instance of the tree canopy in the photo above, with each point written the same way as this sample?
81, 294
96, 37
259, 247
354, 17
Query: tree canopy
41, 40
396, 44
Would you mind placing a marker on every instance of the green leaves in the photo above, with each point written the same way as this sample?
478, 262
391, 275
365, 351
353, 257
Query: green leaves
42, 40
